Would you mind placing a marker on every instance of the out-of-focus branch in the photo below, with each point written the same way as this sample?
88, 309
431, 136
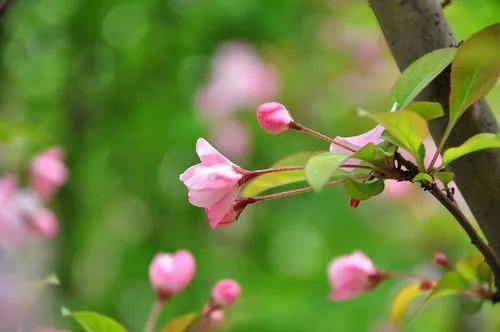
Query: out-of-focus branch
4, 7
413, 28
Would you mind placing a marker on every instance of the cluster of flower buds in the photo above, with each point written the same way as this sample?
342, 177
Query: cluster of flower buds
215, 183
170, 274
23, 214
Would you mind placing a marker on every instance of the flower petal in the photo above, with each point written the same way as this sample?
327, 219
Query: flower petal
209, 155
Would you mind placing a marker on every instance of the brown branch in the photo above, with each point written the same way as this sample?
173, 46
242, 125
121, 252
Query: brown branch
413, 28
489, 255
4, 6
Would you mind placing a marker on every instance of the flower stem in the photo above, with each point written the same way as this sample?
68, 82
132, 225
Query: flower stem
439, 149
153, 315
275, 170
293, 192
408, 276
297, 126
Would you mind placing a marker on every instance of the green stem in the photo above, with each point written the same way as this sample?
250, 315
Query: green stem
153, 315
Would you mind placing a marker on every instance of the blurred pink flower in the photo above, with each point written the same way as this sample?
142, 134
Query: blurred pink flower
225, 292
171, 273
48, 172
273, 117
49, 329
238, 79
213, 184
231, 137
351, 275
43, 222
12, 228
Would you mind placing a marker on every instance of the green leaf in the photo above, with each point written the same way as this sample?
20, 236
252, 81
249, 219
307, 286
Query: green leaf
94, 322
421, 177
474, 268
391, 139
407, 127
474, 70
10, 129
427, 109
451, 283
475, 143
320, 169
445, 177
52, 280
419, 74
180, 324
371, 154
362, 190
268, 181
402, 302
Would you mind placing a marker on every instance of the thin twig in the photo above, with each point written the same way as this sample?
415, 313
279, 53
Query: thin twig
297, 126
489, 255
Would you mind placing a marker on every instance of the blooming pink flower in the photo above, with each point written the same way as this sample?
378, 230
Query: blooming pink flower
273, 117
351, 275
225, 292
213, 184
48, 172
171, 273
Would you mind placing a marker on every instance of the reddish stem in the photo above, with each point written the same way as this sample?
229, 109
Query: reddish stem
297, 126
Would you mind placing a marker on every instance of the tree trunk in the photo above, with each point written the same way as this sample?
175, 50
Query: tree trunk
413, 28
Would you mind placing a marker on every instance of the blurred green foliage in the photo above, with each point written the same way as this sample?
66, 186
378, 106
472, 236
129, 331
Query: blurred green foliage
113, 82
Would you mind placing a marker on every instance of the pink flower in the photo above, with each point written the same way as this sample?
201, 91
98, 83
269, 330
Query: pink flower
351, 275
238, 79
225, 292
357, 142
48, 172
171, 273
273, 117
43, 222
214, 184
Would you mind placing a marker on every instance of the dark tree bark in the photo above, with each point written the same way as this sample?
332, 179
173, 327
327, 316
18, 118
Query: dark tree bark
413, 28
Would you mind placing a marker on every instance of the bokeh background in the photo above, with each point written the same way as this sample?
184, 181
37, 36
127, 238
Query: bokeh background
126, 88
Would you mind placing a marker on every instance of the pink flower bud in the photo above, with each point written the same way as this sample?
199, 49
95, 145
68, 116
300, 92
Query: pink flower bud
353, 202
216, 317
225, 292
48, 172
44, 223
426, 284
213, 184
441, 259
351, 275
171, 273
273, 117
